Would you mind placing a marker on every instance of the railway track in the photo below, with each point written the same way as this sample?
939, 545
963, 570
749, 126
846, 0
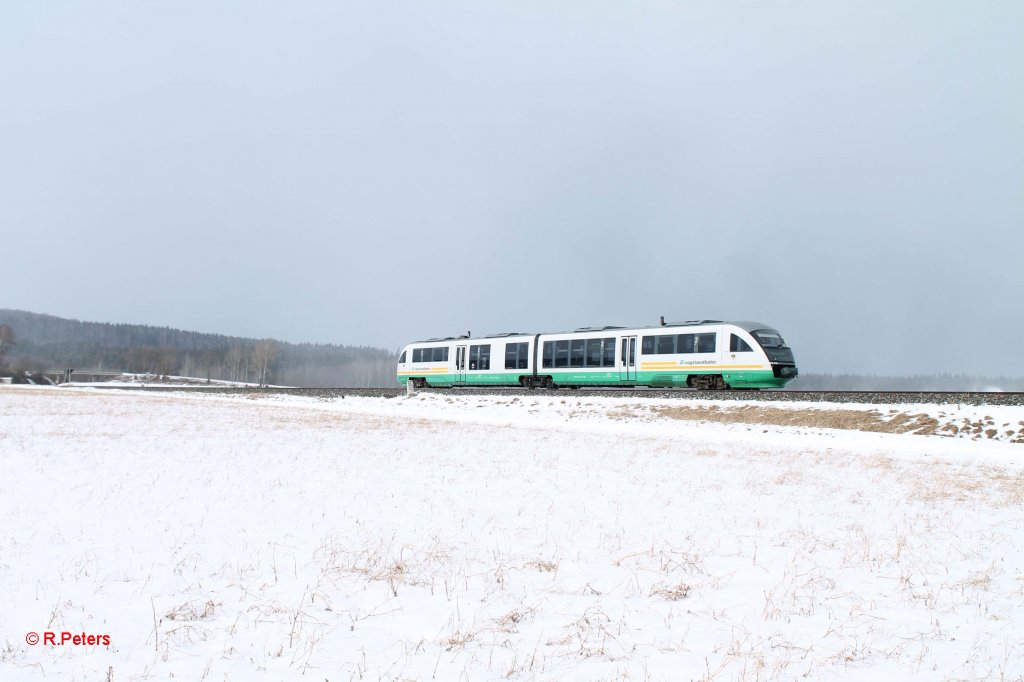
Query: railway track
864, 397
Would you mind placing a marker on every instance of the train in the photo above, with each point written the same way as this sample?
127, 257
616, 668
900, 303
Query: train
696, 354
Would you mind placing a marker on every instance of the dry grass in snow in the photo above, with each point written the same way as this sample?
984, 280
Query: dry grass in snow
219, 539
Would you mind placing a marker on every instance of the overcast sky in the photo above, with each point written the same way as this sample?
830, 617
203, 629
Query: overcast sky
373, 173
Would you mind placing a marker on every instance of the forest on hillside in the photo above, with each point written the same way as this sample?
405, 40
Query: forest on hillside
44, 342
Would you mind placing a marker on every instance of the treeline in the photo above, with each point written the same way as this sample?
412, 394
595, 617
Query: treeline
930, 382
46, 342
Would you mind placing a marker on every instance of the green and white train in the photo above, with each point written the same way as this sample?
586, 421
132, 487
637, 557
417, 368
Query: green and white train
703, 354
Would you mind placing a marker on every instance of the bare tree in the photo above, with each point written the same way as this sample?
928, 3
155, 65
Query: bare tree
211, 364
166, 361
189, 365
234, 361
152, 360
263, 355
6, 343
141, 359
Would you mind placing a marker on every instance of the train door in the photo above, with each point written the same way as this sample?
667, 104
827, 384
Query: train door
741, 355
460, 364
627, 358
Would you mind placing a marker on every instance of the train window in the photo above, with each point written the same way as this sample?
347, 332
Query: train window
686, 342
738, 345
577, 351
561, 353
666, 344
517, 355
609, 352
402, 359
549, 354
769, 339
480, 356
646, 347
706, 342
436, 354
594, 352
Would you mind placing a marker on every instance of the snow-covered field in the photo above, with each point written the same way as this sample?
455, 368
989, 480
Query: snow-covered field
474, 538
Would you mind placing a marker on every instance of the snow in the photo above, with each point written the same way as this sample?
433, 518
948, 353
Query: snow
474, 537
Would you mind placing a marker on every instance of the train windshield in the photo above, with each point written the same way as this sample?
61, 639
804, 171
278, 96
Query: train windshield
769, 339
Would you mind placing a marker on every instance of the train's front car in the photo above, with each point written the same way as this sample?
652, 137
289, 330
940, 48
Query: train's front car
780, 356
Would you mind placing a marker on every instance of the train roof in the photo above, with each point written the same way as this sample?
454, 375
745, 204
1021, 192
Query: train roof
742, 324
749, 326
745, 325
464, 337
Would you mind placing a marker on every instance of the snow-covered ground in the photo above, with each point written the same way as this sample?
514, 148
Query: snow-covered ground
472, 538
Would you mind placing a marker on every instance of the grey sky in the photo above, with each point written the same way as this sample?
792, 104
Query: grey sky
378, 172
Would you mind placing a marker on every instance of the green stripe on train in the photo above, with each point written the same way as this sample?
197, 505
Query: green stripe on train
736, 379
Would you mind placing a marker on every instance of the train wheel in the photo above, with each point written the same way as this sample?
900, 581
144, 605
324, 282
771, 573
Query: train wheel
706, 382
